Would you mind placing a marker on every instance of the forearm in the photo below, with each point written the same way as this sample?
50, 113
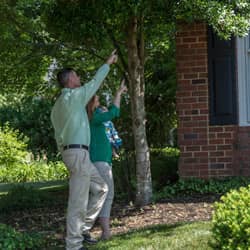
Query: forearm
100, 75
90, 88
117, 99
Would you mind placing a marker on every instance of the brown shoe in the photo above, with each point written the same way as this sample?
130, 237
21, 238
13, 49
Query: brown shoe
87, 238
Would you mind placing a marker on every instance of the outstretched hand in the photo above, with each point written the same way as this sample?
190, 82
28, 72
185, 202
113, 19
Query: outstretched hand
123, 88
112, 58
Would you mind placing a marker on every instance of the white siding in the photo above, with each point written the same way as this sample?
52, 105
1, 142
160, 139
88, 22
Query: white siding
243, 75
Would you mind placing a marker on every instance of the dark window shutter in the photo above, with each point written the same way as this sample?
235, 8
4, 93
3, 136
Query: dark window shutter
222, 80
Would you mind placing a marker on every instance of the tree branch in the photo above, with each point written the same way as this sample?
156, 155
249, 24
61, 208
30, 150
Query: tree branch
117, 46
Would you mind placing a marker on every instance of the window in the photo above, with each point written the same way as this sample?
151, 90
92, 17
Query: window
222, 80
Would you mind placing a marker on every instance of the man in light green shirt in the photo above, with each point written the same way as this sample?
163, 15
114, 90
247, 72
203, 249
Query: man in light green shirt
87, 190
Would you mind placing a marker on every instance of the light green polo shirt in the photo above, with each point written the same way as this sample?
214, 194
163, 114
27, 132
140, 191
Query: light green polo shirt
69, 117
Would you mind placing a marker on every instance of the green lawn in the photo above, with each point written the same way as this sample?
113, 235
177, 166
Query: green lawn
185, 236
188, 236
46, 185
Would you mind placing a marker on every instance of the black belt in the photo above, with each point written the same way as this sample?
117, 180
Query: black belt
75, 146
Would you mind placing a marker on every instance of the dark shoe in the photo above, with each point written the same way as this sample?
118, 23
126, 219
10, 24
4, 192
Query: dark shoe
87, 238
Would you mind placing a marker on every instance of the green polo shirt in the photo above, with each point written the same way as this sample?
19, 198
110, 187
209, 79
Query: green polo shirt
69, 117
100, 147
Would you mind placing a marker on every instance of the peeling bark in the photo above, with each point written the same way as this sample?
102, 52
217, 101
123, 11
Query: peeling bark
135, 44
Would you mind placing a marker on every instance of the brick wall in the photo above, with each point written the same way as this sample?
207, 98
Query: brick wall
206, 151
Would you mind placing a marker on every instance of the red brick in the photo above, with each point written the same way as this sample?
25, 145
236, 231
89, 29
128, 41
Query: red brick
229, 141
200, 118
227, 146
184, 106
178, 40
202, 100
201, 154
215, 129
199, 142
216, 154
189, 39
190, 76
201, 51
224, 135
200, 105
189, 154
202, 39
203, 75
230, 129
204, 160
224, 159
216, 141
200, 130
201, 62
224, 147
203, 136
203, 123
208, 148
198, 45
184, 93
212, 135
193, 148
204, 111
182, 46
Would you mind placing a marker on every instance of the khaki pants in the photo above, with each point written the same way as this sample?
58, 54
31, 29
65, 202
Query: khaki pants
87, 193
105, 170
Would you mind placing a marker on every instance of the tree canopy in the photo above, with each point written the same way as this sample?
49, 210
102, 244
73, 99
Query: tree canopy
34, 32
38, 34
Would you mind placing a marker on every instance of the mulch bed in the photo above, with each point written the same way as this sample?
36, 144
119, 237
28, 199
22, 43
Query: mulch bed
125, 217
185, 209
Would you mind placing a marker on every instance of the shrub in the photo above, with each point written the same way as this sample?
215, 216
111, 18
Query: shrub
124, 175
13, 147
194, 186
21, 198
34, 171
164, 166
31, 116
11, 239
231, 220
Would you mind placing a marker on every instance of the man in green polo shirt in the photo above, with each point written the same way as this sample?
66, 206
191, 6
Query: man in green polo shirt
87, 190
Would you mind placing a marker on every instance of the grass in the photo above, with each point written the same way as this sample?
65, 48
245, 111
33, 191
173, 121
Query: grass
46, 185
188, 236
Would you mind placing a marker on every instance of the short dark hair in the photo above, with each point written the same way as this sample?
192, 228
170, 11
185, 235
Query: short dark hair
63, 76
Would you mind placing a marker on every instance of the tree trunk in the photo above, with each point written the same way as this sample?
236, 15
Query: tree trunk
135, 44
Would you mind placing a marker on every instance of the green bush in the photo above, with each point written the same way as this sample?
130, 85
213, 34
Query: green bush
124, 175
194, 186
34, 171
164, 166
13, 147
231, 220
31, 116
21, 198
10, 239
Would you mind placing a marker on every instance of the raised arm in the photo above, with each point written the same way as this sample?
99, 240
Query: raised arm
90, 88
120, 91
114, 110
